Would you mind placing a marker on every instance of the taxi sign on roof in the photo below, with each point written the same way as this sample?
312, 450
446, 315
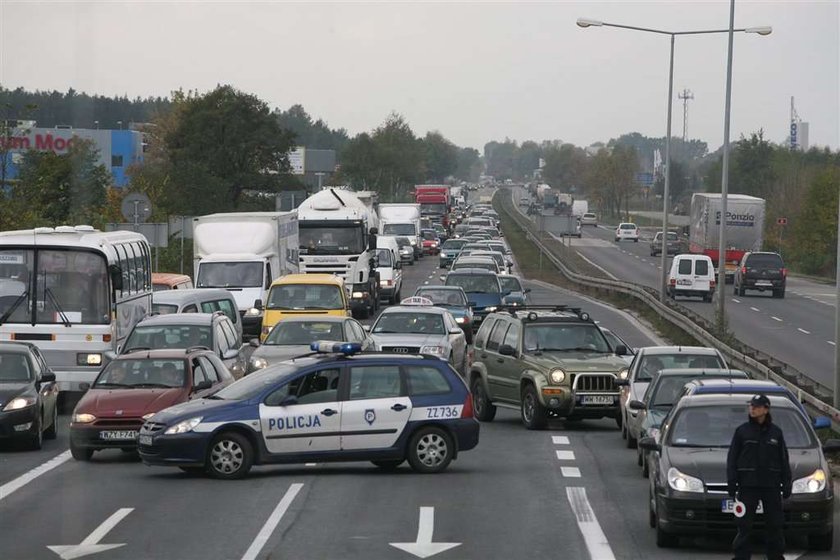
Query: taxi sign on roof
417, 300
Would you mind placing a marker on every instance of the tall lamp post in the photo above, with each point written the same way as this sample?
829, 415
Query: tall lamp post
583, 22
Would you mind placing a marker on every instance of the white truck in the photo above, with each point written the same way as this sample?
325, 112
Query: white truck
338, 236
244, 252
402, 220
579, 208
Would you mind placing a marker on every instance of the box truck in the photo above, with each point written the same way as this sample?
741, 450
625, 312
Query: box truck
402, 220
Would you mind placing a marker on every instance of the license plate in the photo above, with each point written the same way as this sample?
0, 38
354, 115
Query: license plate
144, 440
684, 282
597, 399
728, 506
763, 283
118, 434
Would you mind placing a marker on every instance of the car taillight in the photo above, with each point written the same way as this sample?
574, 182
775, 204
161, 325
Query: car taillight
784, 273
673, 281
467, 411
711, 283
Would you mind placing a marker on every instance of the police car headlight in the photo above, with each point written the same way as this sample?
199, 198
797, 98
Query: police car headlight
88, 359
436, 350
184, 427
19, 402
682, 482
623, 373
83, 418
253, 312
258, 362
811, 484
557, 376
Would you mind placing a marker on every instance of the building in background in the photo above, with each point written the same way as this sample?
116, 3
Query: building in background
798, 139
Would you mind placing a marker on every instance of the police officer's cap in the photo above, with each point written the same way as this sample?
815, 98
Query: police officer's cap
759, 400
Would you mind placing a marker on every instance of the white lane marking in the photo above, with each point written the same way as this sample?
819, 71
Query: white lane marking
90, 545
601, 268
756, 309
570, 472
593, 535
831, 342
426, 282
28, 477
777, 319
272, 522
566, 455
311, 464
736, 300
803, 331
423, 547
560, 440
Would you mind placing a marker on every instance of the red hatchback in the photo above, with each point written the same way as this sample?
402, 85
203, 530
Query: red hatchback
135, 386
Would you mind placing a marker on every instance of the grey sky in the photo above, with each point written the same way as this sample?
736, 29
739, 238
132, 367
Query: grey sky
474, 71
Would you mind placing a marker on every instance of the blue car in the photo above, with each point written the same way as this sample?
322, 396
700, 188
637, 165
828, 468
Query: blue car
335, 404
483, 289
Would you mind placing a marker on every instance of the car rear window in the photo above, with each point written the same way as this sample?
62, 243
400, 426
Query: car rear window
701, 267
765, 261
426, 380
684, 266
627, 226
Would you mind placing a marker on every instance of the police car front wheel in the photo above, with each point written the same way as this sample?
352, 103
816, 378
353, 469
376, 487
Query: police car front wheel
430, 450
230, 456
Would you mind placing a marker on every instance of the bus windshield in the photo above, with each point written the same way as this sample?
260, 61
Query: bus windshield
63, 286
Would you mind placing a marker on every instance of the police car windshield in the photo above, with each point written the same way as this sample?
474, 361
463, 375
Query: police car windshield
298, 332
713, 426
409, 322
254, 384
565, 337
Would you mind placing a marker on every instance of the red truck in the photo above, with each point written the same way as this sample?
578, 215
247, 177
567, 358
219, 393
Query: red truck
434, 202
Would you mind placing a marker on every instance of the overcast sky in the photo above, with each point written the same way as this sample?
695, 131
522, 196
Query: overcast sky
476, 71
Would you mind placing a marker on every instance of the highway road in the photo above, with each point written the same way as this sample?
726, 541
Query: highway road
514, 496
798, 330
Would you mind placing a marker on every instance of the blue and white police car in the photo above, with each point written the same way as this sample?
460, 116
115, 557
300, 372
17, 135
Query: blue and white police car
335, 404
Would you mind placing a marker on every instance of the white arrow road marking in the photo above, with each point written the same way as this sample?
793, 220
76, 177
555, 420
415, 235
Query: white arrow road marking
91, 543
593, 535
272, 522
423, 547
28, 477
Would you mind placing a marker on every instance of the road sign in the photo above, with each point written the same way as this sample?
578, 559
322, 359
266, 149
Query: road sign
782, 221
136, 207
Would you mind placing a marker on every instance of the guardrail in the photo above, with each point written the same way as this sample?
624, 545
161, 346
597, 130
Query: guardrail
686, 320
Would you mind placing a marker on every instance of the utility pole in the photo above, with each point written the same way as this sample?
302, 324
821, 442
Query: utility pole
685, 95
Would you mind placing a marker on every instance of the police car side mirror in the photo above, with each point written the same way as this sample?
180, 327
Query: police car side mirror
620, 350
831, 446
649, 444
288, 401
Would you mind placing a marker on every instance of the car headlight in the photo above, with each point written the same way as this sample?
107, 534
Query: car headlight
88, 359
19, 402
83, 418
253, 312
490, 309
184, 427
147, 416
557, 376
623, 373
682, 482
413, 242
460, 320
258, 362
436, 350
357, 295
811, 484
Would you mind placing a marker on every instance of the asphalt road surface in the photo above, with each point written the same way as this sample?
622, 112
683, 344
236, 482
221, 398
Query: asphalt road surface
512, 497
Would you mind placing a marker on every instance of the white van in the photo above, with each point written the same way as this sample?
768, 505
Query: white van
389, 269
692, 275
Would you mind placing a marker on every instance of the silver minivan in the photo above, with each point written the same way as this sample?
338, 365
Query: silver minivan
205, 300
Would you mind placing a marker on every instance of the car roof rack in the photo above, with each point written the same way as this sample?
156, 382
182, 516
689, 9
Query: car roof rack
514, 309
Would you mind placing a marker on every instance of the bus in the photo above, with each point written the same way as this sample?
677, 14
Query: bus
75, 292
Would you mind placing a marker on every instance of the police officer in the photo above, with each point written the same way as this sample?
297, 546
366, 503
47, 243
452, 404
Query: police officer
757, 468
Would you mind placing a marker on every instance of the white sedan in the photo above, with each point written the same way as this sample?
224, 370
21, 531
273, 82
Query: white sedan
626, 231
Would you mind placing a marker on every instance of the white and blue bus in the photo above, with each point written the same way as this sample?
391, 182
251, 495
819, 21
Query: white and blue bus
75, 292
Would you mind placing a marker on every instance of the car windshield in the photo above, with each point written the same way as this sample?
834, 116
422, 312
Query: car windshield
384, 257
474, 283
452, 244
164, 309
651, 364
430, 235
168, 336
142, 373
665, 391
305, 296
14, 366
287, 333
510, 284
443, 297
230, 275
564, 337
403, 242
409, 322
319, 239
671, 236
399, 229
713, 426
254, 384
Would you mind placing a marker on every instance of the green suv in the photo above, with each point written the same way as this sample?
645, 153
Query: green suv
546, 361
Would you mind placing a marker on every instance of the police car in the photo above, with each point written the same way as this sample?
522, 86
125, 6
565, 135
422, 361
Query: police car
335, 404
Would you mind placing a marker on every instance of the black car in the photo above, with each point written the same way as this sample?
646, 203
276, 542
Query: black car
762, 272
688, 490
28, 395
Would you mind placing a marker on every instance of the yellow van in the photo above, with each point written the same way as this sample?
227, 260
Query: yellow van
294, 295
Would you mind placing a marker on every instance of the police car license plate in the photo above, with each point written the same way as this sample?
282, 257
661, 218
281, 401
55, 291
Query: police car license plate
118, 434
144, 440
728, 506
597, 399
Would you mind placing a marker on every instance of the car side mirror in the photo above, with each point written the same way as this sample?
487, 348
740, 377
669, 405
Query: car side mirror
288, 401
456, 331
620, 350
649, 444
254, 342
258, 304
831, 446
526, 291
84, 386
622, 382
47, 377
202, 386
636, 405
442, 278
230, 354
366, 328
821, 422
507, 350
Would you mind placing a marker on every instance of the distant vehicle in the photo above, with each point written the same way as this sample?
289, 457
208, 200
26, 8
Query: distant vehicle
672, 244
692, 275
744, 227
762, 272
430, 242
208, 300
450, 250
470, 262
484, 292
294, 295
28, 395
162, 281
627, 231
589, 219
402, 220
517, 295
454, 300
406, 250
435, 202
390, 273
580, 208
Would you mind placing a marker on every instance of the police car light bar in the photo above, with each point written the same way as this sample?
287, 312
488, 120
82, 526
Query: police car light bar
332, 347
417, 300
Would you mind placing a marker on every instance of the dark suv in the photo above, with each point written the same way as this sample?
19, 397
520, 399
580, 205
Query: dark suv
762, 272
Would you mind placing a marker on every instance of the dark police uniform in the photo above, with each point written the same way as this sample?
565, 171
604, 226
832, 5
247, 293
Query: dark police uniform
758, 468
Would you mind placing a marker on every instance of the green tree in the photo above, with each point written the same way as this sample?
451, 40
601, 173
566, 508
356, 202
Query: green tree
315, 134
469, 165
441, 157
565, 167
501, 159
814, 248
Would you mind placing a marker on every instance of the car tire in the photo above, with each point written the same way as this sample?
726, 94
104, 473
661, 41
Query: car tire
624, 429
707, 297
665, 540
36, 440
631, 441
230, 456
617, 240
635, 241
195, 471
533, 413
645, 467
80, 453
483, 409
742, 291
389, 465
821, 542
52, 431
638, 455
430, 450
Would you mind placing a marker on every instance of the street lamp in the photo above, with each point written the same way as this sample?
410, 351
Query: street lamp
584, 23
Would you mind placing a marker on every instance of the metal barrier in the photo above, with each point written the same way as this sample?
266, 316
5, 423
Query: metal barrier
679, 316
